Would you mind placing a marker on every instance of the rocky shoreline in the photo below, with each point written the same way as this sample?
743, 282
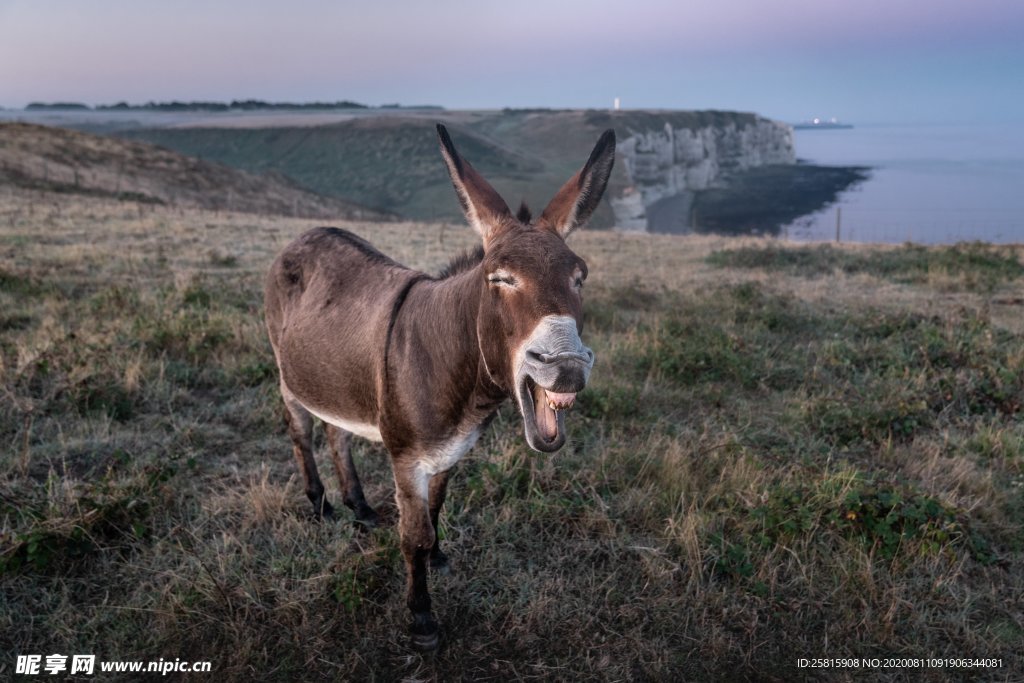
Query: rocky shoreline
758, 201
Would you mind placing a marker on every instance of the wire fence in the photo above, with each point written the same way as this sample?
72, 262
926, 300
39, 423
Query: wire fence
930, 226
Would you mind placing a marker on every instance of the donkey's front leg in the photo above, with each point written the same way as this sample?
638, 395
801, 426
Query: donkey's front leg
417, 539
438, 487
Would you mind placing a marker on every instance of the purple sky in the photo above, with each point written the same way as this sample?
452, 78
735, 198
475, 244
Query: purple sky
865, 61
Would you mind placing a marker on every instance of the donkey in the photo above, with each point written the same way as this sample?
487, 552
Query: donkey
422, 363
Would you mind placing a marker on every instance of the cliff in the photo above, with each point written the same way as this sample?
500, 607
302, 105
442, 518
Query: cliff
666, 165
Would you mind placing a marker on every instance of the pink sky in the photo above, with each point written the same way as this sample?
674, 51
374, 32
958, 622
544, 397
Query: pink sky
872, 60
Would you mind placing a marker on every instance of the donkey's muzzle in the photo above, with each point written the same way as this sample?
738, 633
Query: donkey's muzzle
555, 357
553, 367
564, 372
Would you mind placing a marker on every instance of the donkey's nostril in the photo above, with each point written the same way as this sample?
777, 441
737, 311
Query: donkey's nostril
539, 357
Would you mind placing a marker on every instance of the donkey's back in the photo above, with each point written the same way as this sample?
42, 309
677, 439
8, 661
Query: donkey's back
330, 289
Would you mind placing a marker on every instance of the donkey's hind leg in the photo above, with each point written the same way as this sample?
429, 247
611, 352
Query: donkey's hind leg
300, 429
348, 479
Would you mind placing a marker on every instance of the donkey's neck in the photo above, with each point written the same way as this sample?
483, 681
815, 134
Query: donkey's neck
434, 353
447, 311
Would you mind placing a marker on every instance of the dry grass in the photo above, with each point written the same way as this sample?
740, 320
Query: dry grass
767, 465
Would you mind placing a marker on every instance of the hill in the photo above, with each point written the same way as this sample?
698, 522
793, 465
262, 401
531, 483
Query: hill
390, 161
59, 160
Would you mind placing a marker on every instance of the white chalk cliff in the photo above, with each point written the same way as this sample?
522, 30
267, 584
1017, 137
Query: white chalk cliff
664, 168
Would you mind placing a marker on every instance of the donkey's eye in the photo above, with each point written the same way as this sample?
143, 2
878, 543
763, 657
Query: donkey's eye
502, 277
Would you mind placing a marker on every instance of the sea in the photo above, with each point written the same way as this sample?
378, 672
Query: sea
929, 184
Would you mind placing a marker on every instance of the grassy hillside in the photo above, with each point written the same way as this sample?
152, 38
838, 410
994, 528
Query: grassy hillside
784, 452
57, 160
387, 162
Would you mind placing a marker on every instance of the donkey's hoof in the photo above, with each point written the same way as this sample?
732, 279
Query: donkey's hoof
324, 511
424, 633
425, 642
366, 519
439, 563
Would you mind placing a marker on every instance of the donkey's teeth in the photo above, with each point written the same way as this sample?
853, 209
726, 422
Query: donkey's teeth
559, 401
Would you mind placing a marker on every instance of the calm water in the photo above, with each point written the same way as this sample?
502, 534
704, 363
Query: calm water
930, 184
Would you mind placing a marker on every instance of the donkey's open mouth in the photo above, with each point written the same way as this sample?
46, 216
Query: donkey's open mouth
544, 414
552, 366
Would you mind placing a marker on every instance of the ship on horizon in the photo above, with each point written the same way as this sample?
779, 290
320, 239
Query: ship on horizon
821, 124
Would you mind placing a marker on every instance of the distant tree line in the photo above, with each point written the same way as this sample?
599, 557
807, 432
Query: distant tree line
531, 110
57, 105
244, 105
410, 106
234, 105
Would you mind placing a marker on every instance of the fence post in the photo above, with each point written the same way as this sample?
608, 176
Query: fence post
839, 214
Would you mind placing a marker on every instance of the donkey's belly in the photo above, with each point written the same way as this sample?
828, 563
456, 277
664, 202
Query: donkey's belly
330, 355
367, 431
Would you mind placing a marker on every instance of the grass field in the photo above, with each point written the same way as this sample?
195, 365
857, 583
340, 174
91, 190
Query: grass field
784, 452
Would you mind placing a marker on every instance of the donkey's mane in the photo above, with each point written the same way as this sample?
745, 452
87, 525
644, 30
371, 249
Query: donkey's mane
472, 257
465, 261
524, 215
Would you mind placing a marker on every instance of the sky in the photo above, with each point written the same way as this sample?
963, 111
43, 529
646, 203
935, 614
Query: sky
863, 61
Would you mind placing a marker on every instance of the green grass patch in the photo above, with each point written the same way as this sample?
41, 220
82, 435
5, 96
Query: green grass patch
21, 284
973, 266
105, 396
888, 521
841, 378
49, 533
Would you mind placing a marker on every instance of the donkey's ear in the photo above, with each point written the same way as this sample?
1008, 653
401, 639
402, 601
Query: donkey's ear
578, 198
484, 208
